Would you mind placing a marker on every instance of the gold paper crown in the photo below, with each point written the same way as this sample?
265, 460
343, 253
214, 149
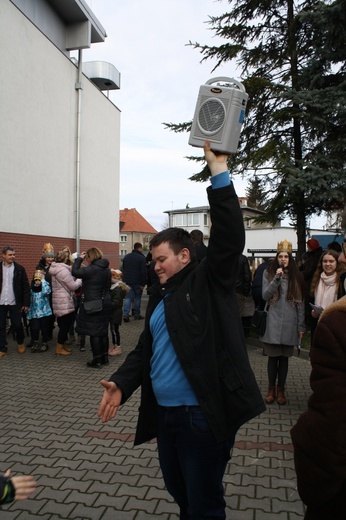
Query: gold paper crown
48, 248
285, 245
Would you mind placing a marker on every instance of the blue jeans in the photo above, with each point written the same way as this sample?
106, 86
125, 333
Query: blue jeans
135, 293
16, 322
192, 462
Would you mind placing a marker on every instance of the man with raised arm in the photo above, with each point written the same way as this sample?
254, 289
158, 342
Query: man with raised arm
197, 386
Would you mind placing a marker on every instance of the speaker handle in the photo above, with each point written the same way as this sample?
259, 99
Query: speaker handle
227, 80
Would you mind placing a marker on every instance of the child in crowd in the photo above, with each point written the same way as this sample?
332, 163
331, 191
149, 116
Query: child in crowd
118, 292
39, 312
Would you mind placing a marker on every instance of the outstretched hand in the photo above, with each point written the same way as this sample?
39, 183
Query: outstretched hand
217, 163
110, 402
23, 485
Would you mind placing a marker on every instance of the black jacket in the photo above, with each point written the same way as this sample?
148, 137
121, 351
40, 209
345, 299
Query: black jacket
21, 285
43, 266
135, 269
205, 329
96, 279
243, 285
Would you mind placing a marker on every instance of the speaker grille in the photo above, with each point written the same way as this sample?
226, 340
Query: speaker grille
211, 116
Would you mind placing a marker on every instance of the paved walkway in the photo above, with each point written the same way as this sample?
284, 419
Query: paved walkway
85, 470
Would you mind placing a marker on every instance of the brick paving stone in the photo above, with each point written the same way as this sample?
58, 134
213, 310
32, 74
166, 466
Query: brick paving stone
86, 469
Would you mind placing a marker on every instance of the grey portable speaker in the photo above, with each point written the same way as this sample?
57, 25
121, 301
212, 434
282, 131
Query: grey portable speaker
219, 114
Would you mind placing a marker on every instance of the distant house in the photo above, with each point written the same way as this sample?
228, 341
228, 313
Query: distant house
260, 239
199, 218
133, 228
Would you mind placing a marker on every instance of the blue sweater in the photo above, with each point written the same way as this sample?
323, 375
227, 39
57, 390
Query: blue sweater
170, 385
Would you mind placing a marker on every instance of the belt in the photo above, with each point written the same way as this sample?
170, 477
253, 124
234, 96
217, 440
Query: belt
183, 407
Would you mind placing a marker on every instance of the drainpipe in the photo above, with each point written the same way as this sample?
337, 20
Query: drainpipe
79, 88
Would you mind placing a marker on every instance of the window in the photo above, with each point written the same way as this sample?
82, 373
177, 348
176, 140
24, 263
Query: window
205, 219
193, 219
180, 219
123, 238
123, 252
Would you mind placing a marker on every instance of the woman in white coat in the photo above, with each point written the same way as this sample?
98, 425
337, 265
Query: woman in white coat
283, 290
64, 286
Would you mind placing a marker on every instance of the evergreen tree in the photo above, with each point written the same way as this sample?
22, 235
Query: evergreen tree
292, 61
256, 197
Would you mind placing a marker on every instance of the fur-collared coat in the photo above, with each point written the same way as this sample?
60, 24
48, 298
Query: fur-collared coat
319, 436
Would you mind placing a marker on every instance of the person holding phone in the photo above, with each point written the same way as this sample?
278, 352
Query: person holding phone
283, 290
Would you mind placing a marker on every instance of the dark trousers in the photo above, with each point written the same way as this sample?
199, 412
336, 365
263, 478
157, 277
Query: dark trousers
115, 334
40, 324
15, 314
64, 323
99, 347
192, 462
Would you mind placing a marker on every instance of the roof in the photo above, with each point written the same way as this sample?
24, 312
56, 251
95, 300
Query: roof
74, 11
132, 221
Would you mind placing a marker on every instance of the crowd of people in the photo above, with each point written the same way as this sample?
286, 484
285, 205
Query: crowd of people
193, 289
58, 295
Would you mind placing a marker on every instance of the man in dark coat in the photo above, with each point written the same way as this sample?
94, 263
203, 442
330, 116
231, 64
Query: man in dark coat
135, 276
14, 298
201, 248
319, 436
243, 284
191, 361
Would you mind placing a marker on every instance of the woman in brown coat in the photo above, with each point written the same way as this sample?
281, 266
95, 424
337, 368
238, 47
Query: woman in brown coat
319, 437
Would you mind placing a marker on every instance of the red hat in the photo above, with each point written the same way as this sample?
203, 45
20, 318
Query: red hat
313, 243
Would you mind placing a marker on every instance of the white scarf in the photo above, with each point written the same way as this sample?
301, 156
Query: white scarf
326, 290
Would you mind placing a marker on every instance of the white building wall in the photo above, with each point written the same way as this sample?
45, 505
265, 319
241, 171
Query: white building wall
38, 136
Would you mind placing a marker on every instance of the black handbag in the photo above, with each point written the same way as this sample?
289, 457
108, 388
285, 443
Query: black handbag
93, 306
259, 320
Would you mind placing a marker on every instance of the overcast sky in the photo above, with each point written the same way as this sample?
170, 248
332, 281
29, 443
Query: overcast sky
160, 79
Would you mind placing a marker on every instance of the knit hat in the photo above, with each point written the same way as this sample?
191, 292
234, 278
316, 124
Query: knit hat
38, 275
313, 243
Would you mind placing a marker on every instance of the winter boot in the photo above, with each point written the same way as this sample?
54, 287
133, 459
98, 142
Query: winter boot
61, 351
114, 350
270, 397
281, 399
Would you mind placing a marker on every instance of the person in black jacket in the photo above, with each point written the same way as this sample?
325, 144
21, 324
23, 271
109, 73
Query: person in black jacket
14, 298
96, 284
201, 248
243, 285
135, 276
197, 386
